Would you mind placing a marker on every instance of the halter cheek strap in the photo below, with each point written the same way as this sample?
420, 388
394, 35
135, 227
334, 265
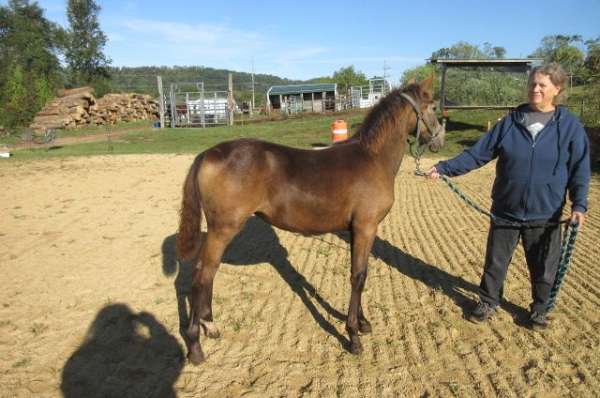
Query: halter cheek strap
420, 118
413, 103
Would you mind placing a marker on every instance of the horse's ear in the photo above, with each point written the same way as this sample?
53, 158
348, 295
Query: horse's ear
427, 84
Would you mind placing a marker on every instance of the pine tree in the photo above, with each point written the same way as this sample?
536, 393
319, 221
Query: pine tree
87, 62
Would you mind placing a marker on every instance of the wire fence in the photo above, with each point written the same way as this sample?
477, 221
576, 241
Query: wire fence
583, 100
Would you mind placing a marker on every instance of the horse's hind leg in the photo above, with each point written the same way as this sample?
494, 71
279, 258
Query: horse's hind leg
202, 287
362, 240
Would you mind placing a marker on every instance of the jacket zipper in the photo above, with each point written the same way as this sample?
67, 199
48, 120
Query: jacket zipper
532, 156
526, 196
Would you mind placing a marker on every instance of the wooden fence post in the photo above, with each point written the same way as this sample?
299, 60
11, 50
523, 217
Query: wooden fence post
161, 101
173, 110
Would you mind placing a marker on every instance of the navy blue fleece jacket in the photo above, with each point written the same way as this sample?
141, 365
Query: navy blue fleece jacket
532, 175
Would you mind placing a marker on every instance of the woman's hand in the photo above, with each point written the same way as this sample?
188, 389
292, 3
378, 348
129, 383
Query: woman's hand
578, 217
432, 173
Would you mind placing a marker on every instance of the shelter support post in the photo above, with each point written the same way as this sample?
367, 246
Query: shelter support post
161, 101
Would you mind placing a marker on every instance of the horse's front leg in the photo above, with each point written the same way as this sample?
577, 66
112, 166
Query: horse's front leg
362, 241
364, 326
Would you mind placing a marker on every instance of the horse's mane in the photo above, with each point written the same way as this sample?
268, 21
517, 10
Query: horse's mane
383, 119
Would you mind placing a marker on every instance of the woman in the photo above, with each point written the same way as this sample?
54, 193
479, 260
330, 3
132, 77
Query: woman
542, 152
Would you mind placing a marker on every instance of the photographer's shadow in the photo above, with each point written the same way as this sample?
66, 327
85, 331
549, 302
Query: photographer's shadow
124, 355
256, 243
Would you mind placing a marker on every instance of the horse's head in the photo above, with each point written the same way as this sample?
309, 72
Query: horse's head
429, 130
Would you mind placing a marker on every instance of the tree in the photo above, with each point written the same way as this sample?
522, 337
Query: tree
321, 79
465, 50
87, 62
347, 77
418, 74
16, 102
460, 50
493, 52
562, 49
592, 59
29, 66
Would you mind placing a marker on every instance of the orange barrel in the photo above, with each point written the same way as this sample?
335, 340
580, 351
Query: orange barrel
339, 131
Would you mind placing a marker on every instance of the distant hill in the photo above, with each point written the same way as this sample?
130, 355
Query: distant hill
143, 80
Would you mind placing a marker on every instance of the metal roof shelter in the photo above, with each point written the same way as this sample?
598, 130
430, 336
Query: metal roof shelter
500, 65
301, 88
317, 97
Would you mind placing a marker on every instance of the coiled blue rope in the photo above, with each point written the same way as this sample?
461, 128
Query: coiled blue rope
566, 252
566, 249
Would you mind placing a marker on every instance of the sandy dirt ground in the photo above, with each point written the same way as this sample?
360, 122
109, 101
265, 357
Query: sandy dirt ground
92, 297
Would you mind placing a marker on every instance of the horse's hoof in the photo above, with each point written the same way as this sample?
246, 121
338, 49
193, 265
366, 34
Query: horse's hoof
356, 348
213, 333
196, 356
355, 345
210, 330
364, 327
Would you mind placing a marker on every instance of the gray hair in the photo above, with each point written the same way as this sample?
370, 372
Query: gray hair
557, 76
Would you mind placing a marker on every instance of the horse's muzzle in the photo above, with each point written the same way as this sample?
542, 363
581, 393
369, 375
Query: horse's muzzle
437, 142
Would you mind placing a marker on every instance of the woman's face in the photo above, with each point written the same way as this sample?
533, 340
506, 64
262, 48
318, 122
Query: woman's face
542, 92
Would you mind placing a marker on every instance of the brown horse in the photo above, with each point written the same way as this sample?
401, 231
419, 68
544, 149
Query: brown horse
293, 189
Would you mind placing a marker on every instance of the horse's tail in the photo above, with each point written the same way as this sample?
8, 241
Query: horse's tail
188, 236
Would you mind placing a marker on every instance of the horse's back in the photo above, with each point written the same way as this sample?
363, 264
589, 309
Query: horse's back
310, 191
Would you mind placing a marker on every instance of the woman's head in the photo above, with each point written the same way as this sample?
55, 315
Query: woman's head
545, 85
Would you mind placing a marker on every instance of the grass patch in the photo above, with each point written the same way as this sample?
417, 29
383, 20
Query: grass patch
464, 128
94, 130
22, 363
301, 132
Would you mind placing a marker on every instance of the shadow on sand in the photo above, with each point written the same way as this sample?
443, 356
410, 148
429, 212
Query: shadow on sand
124, 355
257, 243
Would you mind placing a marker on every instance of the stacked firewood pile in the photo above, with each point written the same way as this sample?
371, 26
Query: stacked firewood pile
113, 108
78, 107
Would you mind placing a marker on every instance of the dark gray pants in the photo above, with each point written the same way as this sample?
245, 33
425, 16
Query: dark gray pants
542, 253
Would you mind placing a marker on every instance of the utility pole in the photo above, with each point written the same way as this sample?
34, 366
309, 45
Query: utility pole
386, 68
252, 104
230, 100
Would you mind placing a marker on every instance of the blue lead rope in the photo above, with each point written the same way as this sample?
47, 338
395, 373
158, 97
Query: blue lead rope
566, 252
566, 249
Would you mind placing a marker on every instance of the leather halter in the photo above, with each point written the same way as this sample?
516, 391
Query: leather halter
416, 149
420, 118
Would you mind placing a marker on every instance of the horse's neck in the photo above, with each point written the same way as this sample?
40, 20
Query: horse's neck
393, 150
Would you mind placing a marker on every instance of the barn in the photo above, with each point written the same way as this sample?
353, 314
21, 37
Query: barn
292, 98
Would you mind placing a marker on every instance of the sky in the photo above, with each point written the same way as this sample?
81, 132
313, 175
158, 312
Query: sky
307, 39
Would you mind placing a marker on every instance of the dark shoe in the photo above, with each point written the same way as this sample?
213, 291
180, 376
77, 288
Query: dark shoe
482, 312
538, 320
